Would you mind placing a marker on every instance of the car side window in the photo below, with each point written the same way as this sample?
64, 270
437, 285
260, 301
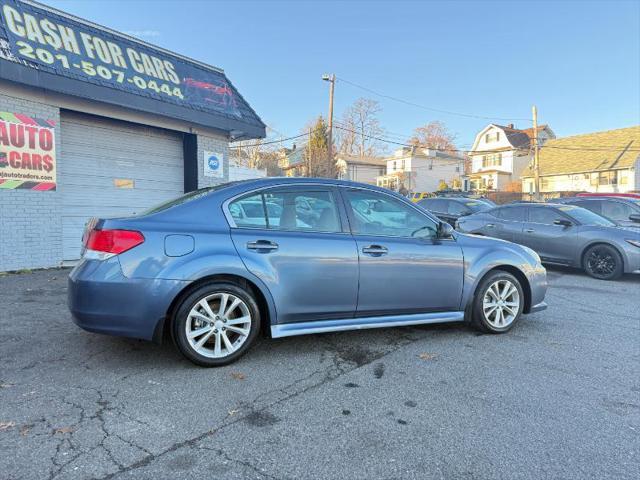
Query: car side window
456, 208
378, 214
543, 215
302, 211
616, 210
512, 214
593, 205
248, 212
287, 210
434, 205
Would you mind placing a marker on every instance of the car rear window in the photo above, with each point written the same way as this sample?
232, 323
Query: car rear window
187, 197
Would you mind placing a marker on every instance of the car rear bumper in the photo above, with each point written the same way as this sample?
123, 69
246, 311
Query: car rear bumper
102, 300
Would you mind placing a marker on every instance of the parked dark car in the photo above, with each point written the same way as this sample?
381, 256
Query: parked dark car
563, 234
216, 266
450, 209
624, 211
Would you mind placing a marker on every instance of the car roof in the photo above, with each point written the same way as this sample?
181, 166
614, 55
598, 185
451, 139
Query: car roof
600, 198
531, 204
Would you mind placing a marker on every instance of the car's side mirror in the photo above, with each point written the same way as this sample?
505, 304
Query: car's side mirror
635, 217
563, 222
444, 230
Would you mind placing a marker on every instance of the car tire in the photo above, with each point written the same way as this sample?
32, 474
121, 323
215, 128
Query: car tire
223, 332
602, 262
498, 303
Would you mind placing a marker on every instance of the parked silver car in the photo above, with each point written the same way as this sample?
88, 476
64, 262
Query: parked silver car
621, 210
563, 234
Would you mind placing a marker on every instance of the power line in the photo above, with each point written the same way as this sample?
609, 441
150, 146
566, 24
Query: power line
417, 105
259, 144
603, 148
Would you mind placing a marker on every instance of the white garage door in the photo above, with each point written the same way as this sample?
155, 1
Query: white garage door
112, 168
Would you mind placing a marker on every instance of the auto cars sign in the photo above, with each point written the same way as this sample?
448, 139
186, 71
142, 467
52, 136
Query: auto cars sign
27, 152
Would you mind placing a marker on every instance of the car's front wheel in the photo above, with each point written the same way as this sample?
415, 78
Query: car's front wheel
498, 302
216, 324
602, 262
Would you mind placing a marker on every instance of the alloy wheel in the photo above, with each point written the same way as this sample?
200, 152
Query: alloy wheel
218, 325
600, 262
501, 303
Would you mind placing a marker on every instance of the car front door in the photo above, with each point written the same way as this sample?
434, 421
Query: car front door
404, 267
554, 243
308, 262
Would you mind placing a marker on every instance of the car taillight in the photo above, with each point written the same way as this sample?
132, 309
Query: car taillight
113, 241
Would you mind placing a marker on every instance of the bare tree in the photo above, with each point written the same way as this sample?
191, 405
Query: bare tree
359, 125
434, 135
261, 153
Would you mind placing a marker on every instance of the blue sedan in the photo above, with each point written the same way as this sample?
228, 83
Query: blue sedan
217, 266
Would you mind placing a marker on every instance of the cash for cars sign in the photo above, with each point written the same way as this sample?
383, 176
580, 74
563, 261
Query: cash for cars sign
45, 40
27, 152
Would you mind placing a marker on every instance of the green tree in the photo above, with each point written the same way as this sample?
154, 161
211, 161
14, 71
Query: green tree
318, 156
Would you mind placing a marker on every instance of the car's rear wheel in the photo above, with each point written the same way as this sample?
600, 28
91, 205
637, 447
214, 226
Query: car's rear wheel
498, 302
216, 324
602, 262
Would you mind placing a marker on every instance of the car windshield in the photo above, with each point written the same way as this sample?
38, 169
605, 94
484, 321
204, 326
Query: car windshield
586, 217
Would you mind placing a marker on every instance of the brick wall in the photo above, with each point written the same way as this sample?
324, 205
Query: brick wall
30, 225
212, 144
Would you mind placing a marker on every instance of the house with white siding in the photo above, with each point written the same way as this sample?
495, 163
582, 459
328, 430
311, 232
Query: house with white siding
418, 169
501, 153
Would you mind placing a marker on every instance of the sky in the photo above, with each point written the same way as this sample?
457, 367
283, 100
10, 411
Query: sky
577, 61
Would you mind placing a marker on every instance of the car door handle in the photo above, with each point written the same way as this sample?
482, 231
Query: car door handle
529, 230
375, 250
490, 225
264, 245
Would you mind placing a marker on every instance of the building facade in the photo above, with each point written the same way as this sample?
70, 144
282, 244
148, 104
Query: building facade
417, 169
96, 123
500, 154
606, 162
360, 169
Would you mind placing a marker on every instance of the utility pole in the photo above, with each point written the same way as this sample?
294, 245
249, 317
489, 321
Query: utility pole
536, 156
309, 154
332, 81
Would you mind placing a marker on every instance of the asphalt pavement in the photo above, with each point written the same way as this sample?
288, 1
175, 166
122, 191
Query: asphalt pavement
557, 397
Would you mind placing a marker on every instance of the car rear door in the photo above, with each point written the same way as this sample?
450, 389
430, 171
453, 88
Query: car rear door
310, 264
508, 223
554, 243
404, 268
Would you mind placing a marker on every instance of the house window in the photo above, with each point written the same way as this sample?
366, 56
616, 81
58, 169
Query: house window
608, 178
492, 137
492, 160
